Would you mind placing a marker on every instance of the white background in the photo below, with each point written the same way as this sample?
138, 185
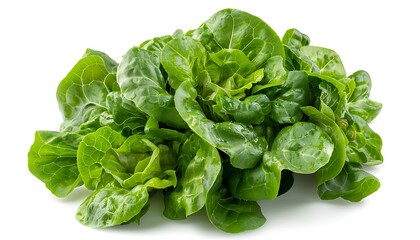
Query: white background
41, 40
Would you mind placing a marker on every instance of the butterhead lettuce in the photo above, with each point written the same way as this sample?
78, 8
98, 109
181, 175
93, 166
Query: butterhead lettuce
216, 118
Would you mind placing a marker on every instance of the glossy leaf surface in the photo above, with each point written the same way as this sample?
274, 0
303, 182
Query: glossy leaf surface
111, 206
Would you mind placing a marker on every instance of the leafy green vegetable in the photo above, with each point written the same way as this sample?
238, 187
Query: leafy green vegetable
302, 148
258, 183
233, 215
154, 166
53, 160
352, 184
338, 156
240, 142
82, 94
143, 83
199, 166
216, 118
328, 62
111, 206
234, 29
359, 102
183, 60
95, 157
289, 97
125, 114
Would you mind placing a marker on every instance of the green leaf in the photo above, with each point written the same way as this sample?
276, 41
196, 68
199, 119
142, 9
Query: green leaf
329, 95
125, 113
363, 85
261, 182
133, 151
338, 157
333, 92
295, 39
296, 60
274, 74
365, 108
289, 97
327, 111
328, 61
81, 95
228, 62
110, 64
155, 170
240, 142
153, 130
352, 184
95, 156
156, 45
183, 60
165, 180
368, 143
359, 102
235, 29
142, 82
199, 166
252, 110
302, 148
234, 86
232, 215
53, 160
111, 206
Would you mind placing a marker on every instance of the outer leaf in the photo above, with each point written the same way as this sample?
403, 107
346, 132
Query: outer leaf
183, 60
199, 166
328, 61
95, 156
352, 184
363, 85
111, 206
81, 95
365, 108
156, 45
142, 82
359, 102
295, 39
367, 142
234, 29
302, 148
232, 215
241, 143
338, 157
261, 182
296, 60
110, 64
52, 159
